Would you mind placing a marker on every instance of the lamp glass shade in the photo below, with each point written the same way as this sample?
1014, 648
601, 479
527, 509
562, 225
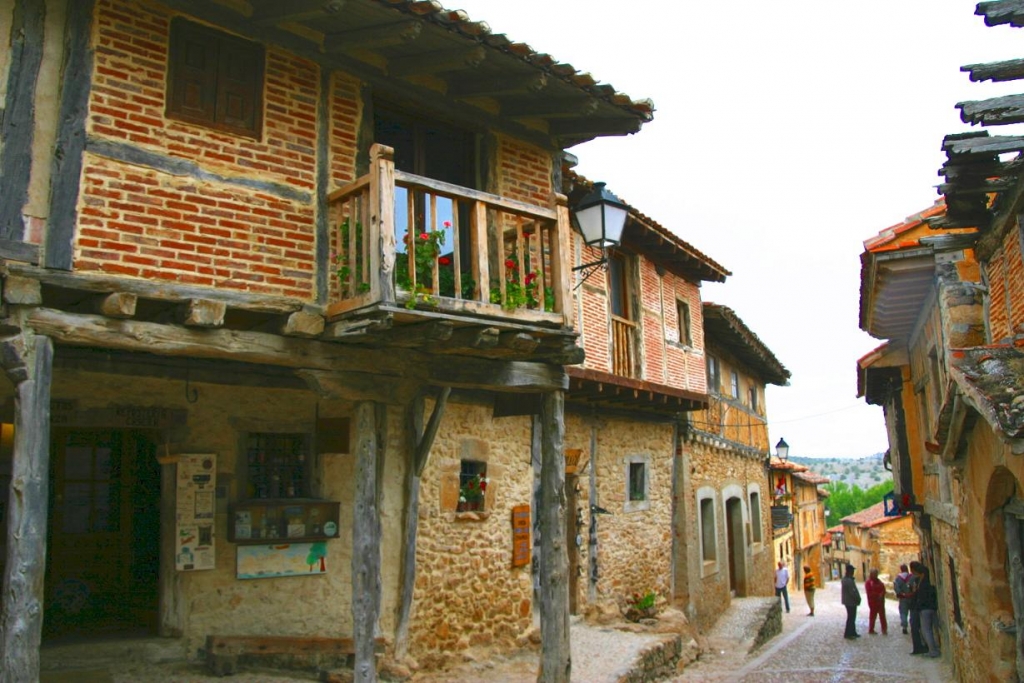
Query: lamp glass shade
601, 217
782, 449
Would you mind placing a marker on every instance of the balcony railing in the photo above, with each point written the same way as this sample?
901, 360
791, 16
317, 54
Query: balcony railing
404, 239
623, 347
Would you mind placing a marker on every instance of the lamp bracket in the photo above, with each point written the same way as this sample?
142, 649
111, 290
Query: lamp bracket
589, 269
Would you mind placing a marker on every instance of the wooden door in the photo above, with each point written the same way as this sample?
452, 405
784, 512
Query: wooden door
103, 548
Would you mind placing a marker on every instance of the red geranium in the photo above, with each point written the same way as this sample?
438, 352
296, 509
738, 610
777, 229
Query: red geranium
510, 264
444, 260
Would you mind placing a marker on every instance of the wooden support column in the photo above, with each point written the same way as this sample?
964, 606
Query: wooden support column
366, 563
419, 443
556, 657
22, 617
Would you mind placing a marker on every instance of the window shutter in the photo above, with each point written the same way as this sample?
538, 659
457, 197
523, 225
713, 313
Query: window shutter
240, 79
193, 74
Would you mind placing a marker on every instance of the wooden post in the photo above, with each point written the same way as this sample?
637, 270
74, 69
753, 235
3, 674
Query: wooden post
561, 269
381, 228
556, 657
481, 267
25, 567
366, 582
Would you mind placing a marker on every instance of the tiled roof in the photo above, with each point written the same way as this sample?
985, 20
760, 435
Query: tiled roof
811, 477
725, 328
868, 516
992, 380
788, 466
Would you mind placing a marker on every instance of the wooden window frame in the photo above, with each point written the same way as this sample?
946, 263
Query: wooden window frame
684, 322
214, 112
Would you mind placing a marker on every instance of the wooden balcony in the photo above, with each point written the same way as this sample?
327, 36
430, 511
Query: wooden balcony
623, 347
489, 270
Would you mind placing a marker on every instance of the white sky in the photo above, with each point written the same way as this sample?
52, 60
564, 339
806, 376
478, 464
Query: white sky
785, 134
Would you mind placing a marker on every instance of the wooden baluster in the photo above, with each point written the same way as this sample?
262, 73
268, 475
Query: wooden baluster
561, 269
542, 261
456, 257
353, 257
478, 244
410, 228
436, 280
520, 252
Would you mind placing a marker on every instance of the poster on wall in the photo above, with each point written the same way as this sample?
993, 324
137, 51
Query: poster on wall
281, 559
195, 504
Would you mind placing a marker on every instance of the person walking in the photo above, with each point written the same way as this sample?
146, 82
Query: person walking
901, 586
851, 599
782, 583
875, 591
928, 603
809, 589
916, 571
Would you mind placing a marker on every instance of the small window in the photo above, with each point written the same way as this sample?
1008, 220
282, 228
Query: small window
734, 384
753, 399
215, 79
714, 375
618, 286
473, 484
637, 481
755, 516
683, 315
707, 529
277, 466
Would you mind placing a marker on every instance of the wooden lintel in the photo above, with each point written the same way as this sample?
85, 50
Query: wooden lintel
357, 386
117, 305
497, 375
202, 313
438, 62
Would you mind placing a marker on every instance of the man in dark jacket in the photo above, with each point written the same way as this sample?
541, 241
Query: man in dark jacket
916, 573
851, 599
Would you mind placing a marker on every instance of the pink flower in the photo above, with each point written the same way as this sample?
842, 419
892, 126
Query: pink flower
447, 224
444, 260
424, 236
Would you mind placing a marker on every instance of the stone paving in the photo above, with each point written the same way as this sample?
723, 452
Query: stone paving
812, 650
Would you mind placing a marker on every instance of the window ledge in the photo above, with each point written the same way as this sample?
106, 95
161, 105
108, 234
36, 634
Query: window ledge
472, 516
636, 506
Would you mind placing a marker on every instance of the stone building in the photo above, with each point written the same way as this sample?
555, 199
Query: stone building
945, 292
809, 524
283, 284
874, 540
725, 478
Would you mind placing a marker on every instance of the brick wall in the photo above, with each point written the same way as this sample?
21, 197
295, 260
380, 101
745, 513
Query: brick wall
212, 228
998, 314
524, 172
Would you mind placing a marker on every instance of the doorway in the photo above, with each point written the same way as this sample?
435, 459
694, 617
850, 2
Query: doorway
736, 546
103, 545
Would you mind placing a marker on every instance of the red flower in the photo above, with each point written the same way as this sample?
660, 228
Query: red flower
444, 260
483, 484
447, 224
424, 236
530, 277
510, 264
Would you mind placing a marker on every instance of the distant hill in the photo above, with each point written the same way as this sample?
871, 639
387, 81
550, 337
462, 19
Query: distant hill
863, 472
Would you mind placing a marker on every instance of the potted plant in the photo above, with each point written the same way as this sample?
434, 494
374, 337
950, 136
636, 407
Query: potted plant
471, 493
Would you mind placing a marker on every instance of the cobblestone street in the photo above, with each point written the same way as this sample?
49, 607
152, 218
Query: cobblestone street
812, 649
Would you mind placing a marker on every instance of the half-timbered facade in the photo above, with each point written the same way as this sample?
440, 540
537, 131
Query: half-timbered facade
278, 279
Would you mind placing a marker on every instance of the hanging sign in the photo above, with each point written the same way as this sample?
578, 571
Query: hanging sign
521, 535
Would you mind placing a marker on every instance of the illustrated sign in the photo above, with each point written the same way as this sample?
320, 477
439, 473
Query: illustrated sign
521, 535
281, 559
195, 504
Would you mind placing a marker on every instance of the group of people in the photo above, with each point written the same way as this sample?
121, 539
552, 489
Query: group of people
918, 603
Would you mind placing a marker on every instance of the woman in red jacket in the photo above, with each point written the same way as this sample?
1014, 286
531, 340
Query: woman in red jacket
875, 590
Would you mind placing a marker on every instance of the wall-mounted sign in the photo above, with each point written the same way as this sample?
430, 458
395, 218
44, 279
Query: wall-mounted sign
195, 505
521, 536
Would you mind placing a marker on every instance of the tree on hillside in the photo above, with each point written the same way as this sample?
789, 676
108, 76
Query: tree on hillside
844, 500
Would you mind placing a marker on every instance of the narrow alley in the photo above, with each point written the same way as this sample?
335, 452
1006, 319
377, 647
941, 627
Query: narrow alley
812, 649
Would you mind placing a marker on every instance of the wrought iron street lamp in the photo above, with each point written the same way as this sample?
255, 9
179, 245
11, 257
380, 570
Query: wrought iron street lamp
600, 218
782, 450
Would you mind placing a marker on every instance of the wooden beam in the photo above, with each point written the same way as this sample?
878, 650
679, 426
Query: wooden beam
596, 126
153, 289
410, 524
250, 347
995, 111
1009, 70
24, 568
386, 35
276, 12
988, 145
422, 334
427, 440
550, 108
359, 327
13, 250
489, 86
303, 324
22, 291
202, 313
357, 386
69, 146
556, 656
440, 61
468, 340
366, 562
519, 342
117, 305
17, 126
496, 375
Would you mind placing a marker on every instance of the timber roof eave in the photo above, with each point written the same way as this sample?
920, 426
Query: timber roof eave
416, 52
604, 389
725, 329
